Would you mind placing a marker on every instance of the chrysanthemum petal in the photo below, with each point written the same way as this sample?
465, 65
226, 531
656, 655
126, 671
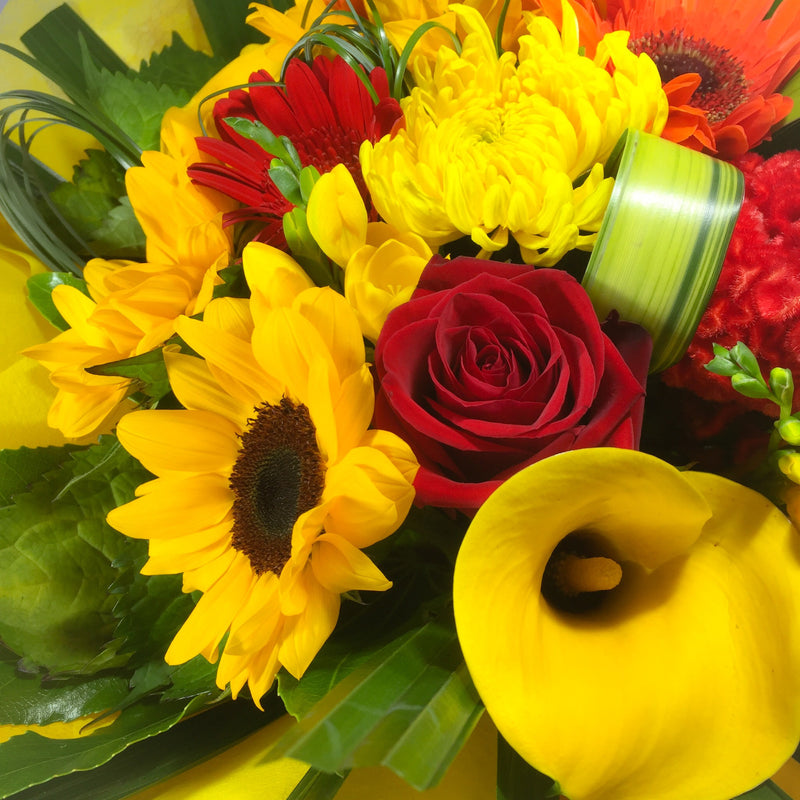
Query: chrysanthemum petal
341, 567
179, 441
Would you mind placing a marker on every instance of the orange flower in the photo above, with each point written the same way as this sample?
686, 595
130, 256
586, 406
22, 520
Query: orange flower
720, 66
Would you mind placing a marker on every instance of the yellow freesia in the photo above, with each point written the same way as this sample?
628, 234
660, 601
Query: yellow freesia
498, 145
381, 265
681, 681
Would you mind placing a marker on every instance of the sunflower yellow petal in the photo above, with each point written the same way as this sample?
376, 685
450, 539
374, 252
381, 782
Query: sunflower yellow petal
181, 554
203, 577
336, 215
196, 388
179, 441
230, 360
274, 278
211, 617
341, 567
368, 497
684, 682
304, 634
232, 315
174, 507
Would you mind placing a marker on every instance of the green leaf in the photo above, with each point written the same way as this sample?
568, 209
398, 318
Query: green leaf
26, 700
518, 780
279, 146
750, 387
742, 355
225, 26
119, 235
767, 791
30, 759
316, 785
722, 365
184, 745
20, 468
147, 370
195, 677
56, 554
63, 55
663, 240
411, 707
40, 288
136, 105
180, 67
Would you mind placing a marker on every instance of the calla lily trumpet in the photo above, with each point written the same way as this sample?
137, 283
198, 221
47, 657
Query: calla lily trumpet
632, 629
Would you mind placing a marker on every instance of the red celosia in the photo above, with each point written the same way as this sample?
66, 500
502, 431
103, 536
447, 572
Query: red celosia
757, 298
324, 109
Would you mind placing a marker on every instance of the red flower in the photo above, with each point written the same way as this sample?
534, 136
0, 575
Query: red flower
720, 64
491, 367
757, 297
326, 112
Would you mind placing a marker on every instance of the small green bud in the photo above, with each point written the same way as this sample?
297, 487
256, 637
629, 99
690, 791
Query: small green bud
789, 429
789, 465
782, 385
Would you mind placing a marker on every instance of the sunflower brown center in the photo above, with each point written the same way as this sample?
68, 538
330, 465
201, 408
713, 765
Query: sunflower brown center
578, 576
723, 86
279, 475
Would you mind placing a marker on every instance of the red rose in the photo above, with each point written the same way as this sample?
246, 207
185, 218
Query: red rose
491, 367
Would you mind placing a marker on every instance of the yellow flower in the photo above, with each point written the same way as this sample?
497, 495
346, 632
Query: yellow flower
381, 265
269, 482
493, 147
679, 681
132, 310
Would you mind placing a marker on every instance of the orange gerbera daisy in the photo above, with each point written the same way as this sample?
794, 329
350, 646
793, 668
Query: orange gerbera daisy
720, 66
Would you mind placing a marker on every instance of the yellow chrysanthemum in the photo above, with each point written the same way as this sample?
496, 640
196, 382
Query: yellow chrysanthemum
132, 310
493, 147
269, 482
632, 629
381, 265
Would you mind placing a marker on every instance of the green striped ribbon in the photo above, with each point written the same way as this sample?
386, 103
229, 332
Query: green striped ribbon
663, 240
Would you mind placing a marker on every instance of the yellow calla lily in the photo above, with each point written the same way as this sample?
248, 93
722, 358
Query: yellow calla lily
681, 681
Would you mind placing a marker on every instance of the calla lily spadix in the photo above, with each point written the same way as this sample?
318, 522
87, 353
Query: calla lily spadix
632, 629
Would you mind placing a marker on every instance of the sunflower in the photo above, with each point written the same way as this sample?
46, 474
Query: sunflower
269, 482
721, 67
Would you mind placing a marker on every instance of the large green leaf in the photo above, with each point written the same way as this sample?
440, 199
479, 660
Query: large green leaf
410, 708
225, 26
20, 468
40, 288
157, 758
57, 559
25, 700
663, 239
31, 759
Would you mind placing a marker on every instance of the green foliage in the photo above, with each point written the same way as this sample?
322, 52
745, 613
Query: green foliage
518, 780
179, 67
225, 26
147, 371
20, 468
56, 560
413, 696
317, 785
40, 288
24, 700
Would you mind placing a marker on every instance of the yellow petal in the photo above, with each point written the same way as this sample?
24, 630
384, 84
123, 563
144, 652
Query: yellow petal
274, 278
179, 441
174, 507
196, 388
305, 633
684, 682
336, 215
341, 567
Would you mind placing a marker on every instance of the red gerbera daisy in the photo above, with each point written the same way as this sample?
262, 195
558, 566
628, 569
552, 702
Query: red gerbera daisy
324, 109
720, 64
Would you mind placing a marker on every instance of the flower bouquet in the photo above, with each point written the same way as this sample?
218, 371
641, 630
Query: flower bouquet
414, 369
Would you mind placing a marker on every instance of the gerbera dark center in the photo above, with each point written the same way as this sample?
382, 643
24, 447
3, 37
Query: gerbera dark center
723, 86
579, 574
278, 476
